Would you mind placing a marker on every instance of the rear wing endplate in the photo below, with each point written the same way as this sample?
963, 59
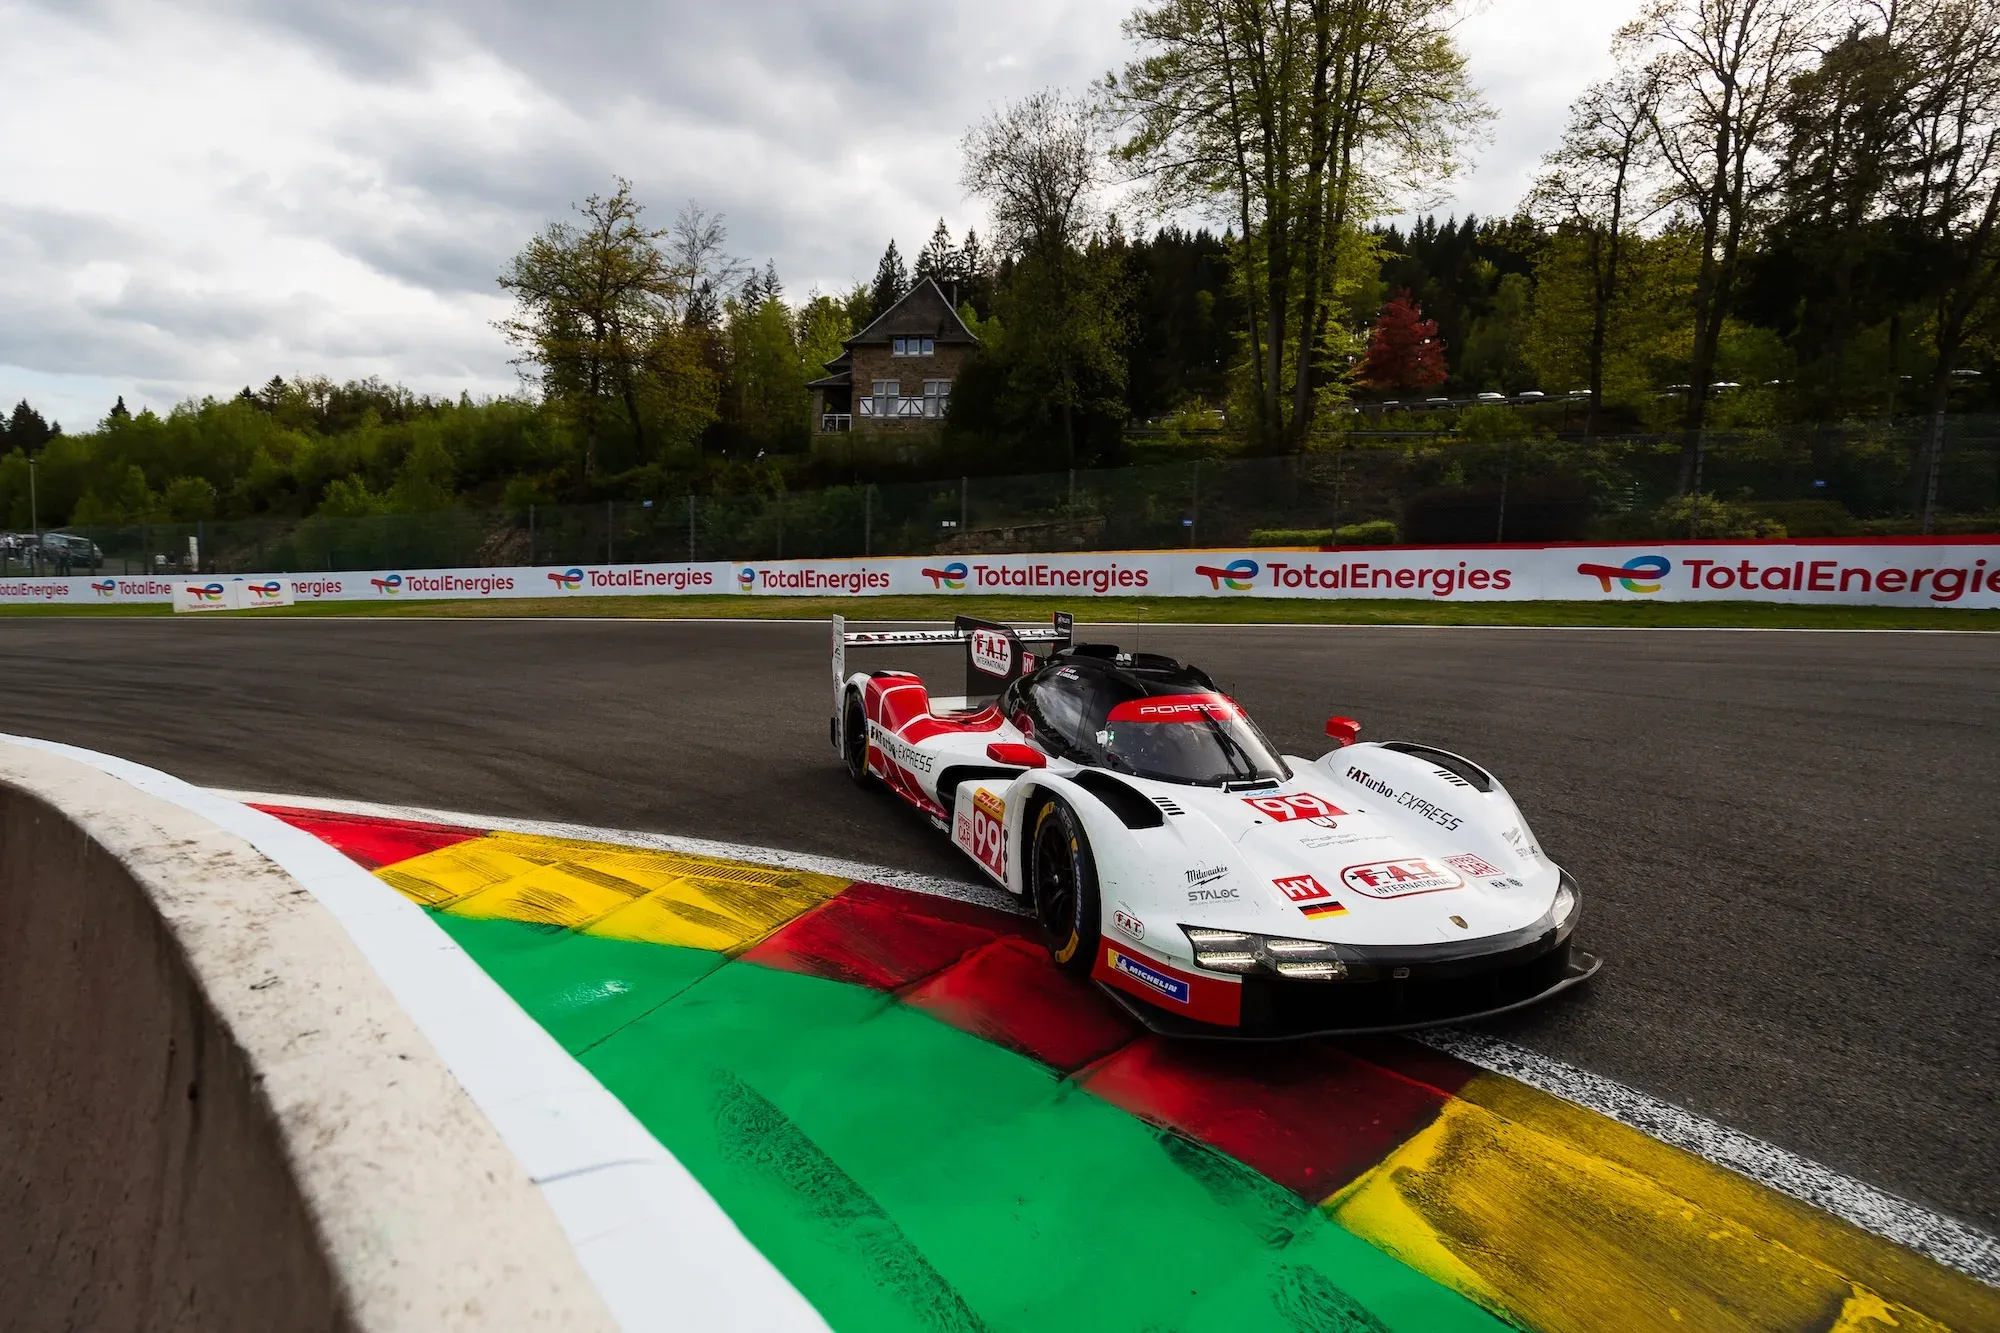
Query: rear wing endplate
995, 654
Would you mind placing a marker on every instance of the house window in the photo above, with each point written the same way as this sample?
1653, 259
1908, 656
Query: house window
937, 397
914, 347
887, 401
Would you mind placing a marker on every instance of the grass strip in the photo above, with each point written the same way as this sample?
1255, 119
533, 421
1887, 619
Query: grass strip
1125, 610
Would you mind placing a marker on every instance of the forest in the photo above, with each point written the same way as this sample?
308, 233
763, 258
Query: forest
1773, 214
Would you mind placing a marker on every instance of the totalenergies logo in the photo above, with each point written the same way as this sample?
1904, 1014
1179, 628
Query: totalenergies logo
746, 579
1642, 573
391, 584
1237, 575
265, 592
952, 576
567, 581
207, 592
106, 588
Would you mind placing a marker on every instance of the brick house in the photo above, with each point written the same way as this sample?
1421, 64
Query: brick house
895, 374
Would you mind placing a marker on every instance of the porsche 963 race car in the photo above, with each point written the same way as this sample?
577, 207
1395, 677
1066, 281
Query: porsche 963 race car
1212, 886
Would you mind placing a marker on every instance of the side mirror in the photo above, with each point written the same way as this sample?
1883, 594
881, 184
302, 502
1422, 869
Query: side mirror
1020, 756
1344, 730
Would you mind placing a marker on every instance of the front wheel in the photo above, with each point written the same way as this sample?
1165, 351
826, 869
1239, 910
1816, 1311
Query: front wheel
854, 741
1064, 878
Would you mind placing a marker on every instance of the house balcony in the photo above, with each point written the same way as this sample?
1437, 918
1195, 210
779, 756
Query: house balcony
902, 408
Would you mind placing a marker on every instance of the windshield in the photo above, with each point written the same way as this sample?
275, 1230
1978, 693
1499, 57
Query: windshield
1111, 720
1197, 738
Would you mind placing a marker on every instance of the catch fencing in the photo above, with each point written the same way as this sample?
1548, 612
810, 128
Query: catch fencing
1860, 480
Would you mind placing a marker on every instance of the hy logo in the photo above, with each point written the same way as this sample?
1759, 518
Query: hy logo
952, 576
568, 581
391, 584
105, 589
207, 592
265, 592
1237, 575
746, 579
1642, 573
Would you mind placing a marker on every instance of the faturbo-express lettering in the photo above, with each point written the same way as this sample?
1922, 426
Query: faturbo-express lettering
1946, 585
1409, 800
1352, 575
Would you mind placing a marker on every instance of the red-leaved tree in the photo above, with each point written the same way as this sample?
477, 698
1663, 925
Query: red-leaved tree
1404, 351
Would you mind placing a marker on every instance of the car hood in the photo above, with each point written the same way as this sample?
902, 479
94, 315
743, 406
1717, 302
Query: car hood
1311, 860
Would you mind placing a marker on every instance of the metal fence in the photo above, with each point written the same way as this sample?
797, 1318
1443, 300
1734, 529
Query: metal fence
1822, 481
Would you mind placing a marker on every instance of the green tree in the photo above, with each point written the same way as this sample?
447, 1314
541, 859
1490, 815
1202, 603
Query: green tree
595, 314
892, 282
1303, 116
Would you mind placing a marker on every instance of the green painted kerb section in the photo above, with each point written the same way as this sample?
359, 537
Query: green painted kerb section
907, 1176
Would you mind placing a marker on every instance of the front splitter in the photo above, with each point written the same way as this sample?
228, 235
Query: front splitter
1582, 967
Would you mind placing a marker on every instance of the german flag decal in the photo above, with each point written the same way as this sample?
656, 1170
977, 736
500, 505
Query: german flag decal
1331, 907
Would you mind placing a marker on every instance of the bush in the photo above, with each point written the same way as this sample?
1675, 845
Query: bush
1809, 518
1290, 536
1379, 532
1716, 520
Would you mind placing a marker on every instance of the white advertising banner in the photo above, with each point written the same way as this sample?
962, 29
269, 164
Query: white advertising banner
229, 592
1873, 572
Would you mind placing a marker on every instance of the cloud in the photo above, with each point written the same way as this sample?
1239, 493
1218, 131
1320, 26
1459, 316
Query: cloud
199, 195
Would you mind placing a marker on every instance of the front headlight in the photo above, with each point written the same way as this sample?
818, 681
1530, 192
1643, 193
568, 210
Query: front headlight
1240, 951
1562, 913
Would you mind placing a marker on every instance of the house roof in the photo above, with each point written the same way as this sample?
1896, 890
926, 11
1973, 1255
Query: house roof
924, 311
839, 380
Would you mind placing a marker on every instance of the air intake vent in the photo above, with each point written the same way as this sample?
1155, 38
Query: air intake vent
1168, 806
1455, 767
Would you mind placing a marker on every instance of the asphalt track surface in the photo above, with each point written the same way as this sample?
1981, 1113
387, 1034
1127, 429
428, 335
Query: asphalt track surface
1787, 841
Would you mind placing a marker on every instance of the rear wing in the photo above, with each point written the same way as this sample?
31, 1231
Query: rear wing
995, 654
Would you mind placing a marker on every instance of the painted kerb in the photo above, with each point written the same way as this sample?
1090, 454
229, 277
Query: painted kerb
1907, 572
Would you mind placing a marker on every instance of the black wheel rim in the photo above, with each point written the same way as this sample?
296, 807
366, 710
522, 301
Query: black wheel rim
1055, 877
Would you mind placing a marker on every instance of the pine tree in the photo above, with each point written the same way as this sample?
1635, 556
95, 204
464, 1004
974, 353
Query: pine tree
773, 289
118, 412
939, 260
28, 431
1404, 351
892, 280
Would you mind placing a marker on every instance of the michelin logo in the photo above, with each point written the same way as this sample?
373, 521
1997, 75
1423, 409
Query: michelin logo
1171, 987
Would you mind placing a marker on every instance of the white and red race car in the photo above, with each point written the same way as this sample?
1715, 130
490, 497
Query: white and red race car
1212, 886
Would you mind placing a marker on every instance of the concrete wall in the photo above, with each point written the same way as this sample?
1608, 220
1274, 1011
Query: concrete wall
212, 1114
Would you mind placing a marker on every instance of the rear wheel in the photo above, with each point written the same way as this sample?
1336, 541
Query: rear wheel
1064, 880
854, 741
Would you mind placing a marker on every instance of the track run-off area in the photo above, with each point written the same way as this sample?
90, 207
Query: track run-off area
1785, 842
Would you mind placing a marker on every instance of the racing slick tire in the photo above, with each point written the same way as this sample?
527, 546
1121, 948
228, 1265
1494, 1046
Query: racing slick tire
854, 740
1064, 879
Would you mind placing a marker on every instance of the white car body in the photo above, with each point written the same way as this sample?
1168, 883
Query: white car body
1415, 864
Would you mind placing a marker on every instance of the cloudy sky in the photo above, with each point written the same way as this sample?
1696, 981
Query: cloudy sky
198, 195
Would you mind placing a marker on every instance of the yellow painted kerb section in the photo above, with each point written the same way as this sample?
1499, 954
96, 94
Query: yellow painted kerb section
1561, 1220
625, 893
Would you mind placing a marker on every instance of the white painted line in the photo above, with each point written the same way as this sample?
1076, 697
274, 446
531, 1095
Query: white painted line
963, 890
1944, 1239
660, 1250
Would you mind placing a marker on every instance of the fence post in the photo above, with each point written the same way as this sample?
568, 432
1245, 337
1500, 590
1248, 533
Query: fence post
1935, 453
1506, 457
868, 520
962, 508
531, 534
1194, 523
690, 527
607, 532
1694, 495
781, 525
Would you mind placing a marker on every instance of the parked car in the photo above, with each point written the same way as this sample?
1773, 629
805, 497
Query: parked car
1492, 397
64, 551
1527, 394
